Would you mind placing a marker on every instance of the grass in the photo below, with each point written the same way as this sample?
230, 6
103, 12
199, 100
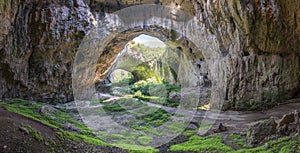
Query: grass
145, 140
148, 118
123, 105
37, 135
24, 108
237, 139
215, 143
158, 100
176, 127
205, 125
136, 148
282, 145
200, 144
65, 135
159, 117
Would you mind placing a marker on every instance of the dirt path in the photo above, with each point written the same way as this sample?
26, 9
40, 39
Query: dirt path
235, 120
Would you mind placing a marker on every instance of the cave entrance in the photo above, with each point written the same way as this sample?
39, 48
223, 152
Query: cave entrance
146, 112
144, 69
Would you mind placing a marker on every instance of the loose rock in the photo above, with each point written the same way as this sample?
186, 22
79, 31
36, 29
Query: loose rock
23, 129
260, 131
72, 128
286, 119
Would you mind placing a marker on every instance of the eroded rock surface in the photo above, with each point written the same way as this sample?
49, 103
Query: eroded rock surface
255, 62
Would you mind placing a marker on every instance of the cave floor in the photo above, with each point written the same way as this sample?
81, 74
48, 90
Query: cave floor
236, 122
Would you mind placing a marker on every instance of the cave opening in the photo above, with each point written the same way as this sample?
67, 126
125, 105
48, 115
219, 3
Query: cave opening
160, 86
144, 69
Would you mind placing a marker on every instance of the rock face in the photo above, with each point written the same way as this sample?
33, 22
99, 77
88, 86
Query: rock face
254, 64
258, 132
38, 42
256, 54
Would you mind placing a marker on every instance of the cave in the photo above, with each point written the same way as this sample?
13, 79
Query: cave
227, 64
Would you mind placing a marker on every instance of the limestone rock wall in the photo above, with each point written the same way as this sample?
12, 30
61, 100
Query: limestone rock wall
38, 41
256, 64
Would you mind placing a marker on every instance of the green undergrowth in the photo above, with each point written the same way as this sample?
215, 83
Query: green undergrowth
215, 143
31, 110
24, 108
145, 140
147, 118
37, 135
57, 119
282, 145
238, 139
200, 144
65, 135
123, 104
136, 148
155, 118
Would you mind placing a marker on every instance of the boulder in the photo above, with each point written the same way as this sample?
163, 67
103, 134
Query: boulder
221, 128
175, 97
23, 129
47, 110
260, 131
193, 126
283, 130
287, 119
71, 128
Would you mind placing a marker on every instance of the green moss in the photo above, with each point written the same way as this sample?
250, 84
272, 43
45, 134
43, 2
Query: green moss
145, 140
205, 125
24, 108
37, 135
123, 105
200, 144
65, 118
65, 135
136, 148
144, 72
176, 127
155, 119
237, 139
282, 145
189, 133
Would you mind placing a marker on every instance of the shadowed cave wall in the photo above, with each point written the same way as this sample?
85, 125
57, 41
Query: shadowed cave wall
257, 62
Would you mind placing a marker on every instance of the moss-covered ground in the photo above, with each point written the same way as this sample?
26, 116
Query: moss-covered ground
195, 143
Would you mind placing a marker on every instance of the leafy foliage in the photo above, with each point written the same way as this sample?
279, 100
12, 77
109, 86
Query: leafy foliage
149, 53
155, 119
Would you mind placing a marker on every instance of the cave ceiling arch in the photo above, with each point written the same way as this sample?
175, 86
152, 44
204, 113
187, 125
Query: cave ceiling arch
146, 19
113, 49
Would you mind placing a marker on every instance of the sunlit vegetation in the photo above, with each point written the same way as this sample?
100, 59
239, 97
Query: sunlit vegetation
238, 139
201, 144
146, 119
215, 143
31, 110
148, 53
155, 119
148, 90
123, 104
